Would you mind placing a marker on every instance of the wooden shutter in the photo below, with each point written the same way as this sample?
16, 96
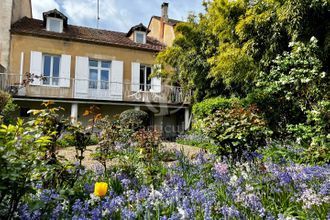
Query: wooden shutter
116, 79
135, 80
65, 70
36, 67
156, 84
81, 77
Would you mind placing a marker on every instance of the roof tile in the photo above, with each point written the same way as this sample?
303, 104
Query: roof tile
30, 26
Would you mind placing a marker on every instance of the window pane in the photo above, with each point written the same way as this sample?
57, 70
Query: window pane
56, 70
139, 37
148, 78
104, 79
142, 70
47, 61
105, 64
93, 63
54, 25
93, 79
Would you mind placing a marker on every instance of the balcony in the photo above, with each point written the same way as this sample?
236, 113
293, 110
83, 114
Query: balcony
21, 86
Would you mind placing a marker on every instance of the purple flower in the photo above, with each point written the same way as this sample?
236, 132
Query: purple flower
231, 211
284, 178
127, 214
325, 188
48, 195
221, 168
57, 212
96, 213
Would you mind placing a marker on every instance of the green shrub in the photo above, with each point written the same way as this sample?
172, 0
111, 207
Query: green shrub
134, 119
20, 154
236, 131
4, 98
209, 106
6, 107
67, 140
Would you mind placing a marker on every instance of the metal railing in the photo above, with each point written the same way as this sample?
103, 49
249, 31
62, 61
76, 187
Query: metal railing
55, 87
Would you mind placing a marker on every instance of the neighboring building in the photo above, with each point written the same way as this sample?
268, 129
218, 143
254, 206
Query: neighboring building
162, 28
77, 67
11, 11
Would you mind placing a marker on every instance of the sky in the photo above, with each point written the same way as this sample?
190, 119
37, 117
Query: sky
115, 15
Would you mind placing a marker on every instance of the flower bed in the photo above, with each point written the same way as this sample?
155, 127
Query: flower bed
203, 188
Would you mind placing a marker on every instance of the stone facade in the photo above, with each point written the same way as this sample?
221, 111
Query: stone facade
11, 11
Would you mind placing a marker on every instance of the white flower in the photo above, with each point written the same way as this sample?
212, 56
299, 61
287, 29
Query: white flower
94, 199
233, 180
183, 213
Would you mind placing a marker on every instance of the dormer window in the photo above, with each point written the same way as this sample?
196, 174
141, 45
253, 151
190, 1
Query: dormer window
54, 24
138, 34
140, 37
55, 21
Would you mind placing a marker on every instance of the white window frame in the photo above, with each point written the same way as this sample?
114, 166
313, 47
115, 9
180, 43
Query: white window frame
99, 69
54, 19
51, 70
145, 85
144, 37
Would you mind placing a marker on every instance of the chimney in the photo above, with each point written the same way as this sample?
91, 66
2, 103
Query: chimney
165, 11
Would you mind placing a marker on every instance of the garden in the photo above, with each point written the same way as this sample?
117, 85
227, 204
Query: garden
261, 129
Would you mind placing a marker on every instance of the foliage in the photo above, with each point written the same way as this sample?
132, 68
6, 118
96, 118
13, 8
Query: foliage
209, 106
94, 112
134, 119
297, 76
48, 120
82, 139
21, 148
4, 98
6, 106
112, 136
203, 188
66, 140
236, 131
220, 52
291, 91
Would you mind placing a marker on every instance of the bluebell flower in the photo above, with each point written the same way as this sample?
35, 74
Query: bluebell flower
57, 211
127, 214
284, 178
96, 213
230, 212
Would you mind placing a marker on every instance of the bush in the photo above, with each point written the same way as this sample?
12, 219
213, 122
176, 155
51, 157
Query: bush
134, 119
209, 106
6, 106
236, 130
67, 140
4, 98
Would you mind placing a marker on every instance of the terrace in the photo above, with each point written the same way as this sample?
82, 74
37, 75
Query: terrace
24, 86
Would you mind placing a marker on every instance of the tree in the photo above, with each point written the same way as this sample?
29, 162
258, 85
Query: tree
222, 51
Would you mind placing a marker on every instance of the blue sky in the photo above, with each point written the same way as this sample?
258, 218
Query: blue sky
116, 15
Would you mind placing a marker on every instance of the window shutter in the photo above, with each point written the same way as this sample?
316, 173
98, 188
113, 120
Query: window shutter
135, 80
116, 80
81, 77
156, 84
36, 67
65, 70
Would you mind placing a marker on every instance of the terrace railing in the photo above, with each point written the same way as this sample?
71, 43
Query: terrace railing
55, 87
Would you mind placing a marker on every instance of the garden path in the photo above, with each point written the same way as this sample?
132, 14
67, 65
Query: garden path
70, 152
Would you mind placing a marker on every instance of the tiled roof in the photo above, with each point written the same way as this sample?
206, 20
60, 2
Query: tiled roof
30, 26
170, 21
